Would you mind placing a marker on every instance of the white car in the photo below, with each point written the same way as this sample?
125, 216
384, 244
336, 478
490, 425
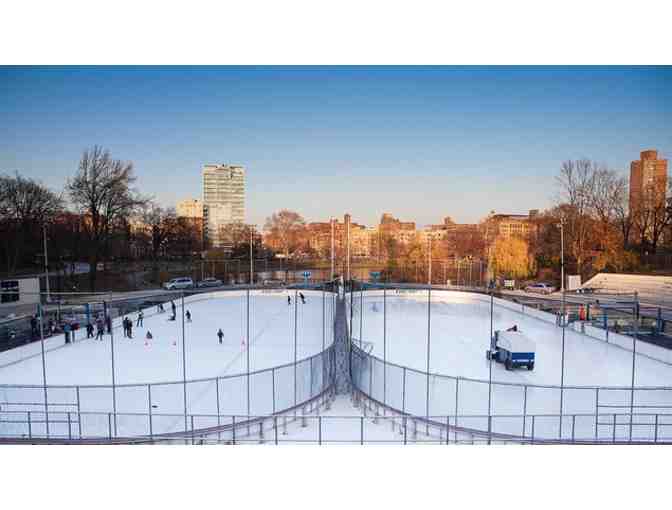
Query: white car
540, 288
179, 283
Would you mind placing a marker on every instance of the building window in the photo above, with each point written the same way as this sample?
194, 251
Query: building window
10, 291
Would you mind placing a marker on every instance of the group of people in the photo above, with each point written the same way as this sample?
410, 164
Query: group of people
303, 299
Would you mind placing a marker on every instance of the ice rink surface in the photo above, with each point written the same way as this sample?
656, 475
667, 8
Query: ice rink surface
459, 330
137, 360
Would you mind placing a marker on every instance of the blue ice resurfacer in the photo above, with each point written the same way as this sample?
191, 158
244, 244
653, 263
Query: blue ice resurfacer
511, 348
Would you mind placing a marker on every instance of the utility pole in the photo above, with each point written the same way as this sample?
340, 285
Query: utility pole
46, 260
251, 257
429, 254
331, 220
562, 255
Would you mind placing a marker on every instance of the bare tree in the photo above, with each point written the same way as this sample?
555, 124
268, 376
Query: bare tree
285, 228
577, 184
102, 192
25, 207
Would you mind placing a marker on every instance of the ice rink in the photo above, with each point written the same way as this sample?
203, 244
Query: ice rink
140, 361
459, 332
149, 373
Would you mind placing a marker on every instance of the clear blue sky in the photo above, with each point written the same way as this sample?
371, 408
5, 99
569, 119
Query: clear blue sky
420, 143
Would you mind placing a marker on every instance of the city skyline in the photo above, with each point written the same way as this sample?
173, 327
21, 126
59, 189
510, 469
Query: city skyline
421, 143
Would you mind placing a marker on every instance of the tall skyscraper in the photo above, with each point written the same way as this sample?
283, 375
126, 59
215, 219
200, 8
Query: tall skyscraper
648, 181
223, 200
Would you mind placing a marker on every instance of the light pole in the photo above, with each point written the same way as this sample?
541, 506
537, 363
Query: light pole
562, 255
46, 261
563, 324
252, 227
429, 255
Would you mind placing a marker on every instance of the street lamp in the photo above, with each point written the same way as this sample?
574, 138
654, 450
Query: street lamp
562, 255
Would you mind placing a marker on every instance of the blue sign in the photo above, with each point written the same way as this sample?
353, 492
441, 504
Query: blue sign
375, 275
306, 274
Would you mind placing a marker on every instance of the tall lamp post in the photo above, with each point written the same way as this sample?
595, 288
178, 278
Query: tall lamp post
46, 261
252, 228
563, 322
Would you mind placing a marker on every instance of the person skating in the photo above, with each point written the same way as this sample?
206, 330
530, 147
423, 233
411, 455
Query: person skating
108, 322
89, 330
66, 330
149, 335
513, 328
303, 299
33, 327
124, 325
101, 330
141, 316
130, 328
220, 334
289, 300
174, 308
188, 315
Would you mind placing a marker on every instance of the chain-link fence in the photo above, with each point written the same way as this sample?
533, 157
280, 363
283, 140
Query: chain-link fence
109, 355
379, 323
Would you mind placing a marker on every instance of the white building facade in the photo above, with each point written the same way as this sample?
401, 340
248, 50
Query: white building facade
223, 200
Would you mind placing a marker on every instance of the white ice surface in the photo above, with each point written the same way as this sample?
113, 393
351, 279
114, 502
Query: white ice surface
137, 361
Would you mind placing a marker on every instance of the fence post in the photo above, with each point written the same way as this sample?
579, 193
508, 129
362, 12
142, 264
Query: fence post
273, 387
447, 429
319, 432
69, 426
109, 425
361, 430
233, 429
457, 393
655, 431
613, 433
597, 416
284, 425
79, 414
403, 392
149, 408
404, 423
192, 428
533, 416
303, 417
219, 420
275, 429
573, 425
524, 409
261, 432
30, 426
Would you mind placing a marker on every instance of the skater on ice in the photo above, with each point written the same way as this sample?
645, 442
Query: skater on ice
172, 305
159, 308
220, 334
188, 315
141, 316
89, 330
149, 336
289, 300
101, 330
303, 299
513, 328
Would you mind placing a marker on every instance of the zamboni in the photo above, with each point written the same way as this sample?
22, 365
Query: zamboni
512, 348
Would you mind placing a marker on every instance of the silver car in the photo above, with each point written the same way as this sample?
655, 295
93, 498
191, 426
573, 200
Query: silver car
209, 282
540, 288
178, 284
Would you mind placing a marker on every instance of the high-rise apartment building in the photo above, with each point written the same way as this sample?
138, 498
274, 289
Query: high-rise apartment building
648, 181
223, 201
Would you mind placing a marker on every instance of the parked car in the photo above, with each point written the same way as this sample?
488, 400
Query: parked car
209, 282
540, 288
273, 283
179, 283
